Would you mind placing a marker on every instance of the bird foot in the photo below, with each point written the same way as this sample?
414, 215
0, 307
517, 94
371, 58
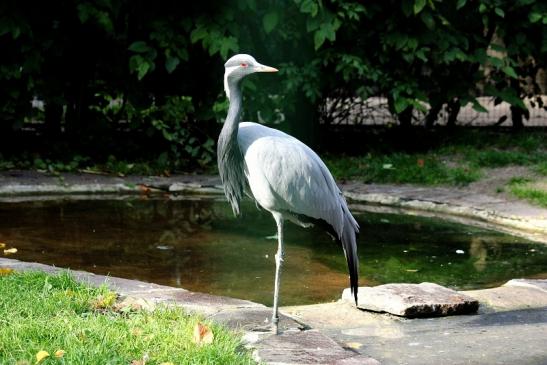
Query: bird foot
275, 325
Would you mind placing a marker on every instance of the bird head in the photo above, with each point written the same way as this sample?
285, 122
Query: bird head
239, 66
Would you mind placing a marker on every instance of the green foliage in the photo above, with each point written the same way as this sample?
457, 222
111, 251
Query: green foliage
99, 63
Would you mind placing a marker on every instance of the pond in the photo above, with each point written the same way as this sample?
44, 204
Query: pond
197, 244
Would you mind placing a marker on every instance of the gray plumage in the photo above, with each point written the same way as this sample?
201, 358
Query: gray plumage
282, 174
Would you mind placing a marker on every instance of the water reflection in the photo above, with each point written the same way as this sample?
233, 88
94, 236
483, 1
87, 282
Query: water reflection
198, 245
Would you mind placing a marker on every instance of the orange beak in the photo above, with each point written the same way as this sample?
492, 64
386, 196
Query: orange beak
263, 68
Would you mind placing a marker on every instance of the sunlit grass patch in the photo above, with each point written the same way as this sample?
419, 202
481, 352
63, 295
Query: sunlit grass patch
401, 168
501, 158
534, 192
541, 168
56, 314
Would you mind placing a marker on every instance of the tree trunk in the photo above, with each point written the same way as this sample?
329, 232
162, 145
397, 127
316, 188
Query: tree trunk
516, 117
432, 115
516, 112
453, 111
405, 117
52, 118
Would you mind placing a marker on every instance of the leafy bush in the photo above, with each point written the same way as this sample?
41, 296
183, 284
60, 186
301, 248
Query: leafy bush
98, 65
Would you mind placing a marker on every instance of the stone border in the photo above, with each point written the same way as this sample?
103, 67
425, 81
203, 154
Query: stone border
298, 344
511, 216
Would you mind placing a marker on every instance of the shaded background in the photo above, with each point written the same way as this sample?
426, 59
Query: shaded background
99, 80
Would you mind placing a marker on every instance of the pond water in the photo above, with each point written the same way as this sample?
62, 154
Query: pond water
197, 244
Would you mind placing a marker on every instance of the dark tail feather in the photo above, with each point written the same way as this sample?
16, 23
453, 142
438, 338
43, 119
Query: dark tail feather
349, 244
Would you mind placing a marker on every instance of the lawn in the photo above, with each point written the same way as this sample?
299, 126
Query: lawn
78, 324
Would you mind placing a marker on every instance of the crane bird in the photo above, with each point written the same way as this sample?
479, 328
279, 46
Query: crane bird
282, 174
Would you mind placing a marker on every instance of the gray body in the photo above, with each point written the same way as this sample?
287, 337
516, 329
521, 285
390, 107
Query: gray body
282, 174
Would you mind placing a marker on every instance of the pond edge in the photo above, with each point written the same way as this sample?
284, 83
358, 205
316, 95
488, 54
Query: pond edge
455, 204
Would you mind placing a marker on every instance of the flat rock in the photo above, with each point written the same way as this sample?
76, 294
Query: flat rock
540, 284
414, 300
254, 319
304, 347
510, 298
358, 360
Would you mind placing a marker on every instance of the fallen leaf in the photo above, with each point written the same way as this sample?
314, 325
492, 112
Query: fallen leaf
2, 245
134, 304
354, 345
10, 251
5, 271
411, 270
104, 301
41, 355
203, 334
144, 189
60, 353
69, 293
420, 162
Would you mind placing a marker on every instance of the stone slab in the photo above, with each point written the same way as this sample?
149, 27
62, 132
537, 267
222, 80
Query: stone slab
414, 300
540, 284
500, 338
255, 319
358, 360
301, 347
510, 298
341, 315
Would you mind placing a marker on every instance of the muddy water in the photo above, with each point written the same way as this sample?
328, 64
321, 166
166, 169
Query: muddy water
199, 245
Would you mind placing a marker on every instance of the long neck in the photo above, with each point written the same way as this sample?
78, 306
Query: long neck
229, 130
230, 159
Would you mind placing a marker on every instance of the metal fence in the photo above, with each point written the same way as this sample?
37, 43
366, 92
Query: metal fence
374, 111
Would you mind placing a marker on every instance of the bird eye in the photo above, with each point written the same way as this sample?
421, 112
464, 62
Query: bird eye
243, 65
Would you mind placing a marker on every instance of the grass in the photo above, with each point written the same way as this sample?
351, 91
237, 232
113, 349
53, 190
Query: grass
527, 190
401, 168
42, 312
455, 160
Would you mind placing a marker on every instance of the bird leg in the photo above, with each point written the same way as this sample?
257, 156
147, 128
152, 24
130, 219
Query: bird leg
278, 264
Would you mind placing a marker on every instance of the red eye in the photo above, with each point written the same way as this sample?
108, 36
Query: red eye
243, 65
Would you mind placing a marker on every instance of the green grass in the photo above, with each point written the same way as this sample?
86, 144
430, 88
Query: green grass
401, 168
457, 159
501, 158
541, 168
44, 312
524, 189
